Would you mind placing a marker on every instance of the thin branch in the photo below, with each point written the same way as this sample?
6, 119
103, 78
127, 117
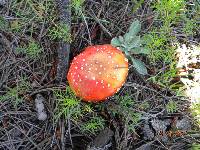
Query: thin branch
64, 48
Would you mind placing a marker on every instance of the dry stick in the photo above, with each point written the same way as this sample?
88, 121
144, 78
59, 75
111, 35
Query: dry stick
90, 40
63, 134
101, 25
64, 48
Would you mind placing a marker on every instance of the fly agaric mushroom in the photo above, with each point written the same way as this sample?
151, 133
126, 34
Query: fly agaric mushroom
98, 72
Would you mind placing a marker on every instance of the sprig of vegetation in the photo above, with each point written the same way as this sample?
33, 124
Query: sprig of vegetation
93, 125
171, 107
124, 109
60, 32
67, 105
195, 109
77, 6
131, 44
15, 94
32, 50
3, 24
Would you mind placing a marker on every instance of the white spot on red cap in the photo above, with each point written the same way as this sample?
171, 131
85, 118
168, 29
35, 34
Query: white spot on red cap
89, 68
99, 72
81, 68
101, 65
83, 59
93, 78
108, 85
109, 56
76, 67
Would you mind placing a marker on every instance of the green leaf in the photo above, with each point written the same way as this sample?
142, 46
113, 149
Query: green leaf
136, 42
135, 50
140, 50
145, 50
115, 42
121, 39
135, 27
139, 66
128, 37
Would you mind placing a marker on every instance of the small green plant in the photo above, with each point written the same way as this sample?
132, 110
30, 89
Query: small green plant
195, 109
60, 31
131, 44
3, 24
137, 5
15, 94
144, 106
93, 125
32, 50
160, 51
164, 76
77, 6
171, 107
195, 146
70, 108
169, 12
125, 110
189, 26
67, 105
31, 15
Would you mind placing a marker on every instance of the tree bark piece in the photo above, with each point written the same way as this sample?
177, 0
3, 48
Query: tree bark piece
64, 48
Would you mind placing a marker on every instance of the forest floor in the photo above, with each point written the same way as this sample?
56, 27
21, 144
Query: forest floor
38, 110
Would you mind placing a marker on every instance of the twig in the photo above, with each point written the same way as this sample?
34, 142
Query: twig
63, 134
64, 48
69, 129
102, 26
90, 40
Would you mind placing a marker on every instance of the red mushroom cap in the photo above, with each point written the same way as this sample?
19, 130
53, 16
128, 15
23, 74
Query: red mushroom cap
98, 72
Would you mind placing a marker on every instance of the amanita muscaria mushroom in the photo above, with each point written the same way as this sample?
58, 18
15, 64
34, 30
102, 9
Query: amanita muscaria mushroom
98, 72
